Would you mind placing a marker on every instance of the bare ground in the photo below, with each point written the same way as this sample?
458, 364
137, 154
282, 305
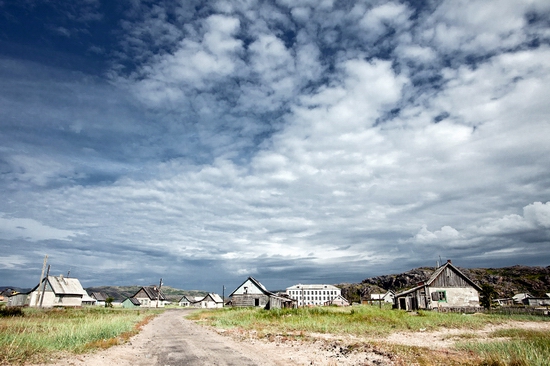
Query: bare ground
171, 340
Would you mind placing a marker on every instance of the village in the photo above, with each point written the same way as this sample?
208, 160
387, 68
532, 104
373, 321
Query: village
447, 290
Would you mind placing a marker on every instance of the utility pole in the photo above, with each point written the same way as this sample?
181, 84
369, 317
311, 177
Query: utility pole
41, 277
158, 294
223, 296
44, 286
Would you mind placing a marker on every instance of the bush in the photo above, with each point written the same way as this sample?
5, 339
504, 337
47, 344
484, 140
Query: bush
10, 311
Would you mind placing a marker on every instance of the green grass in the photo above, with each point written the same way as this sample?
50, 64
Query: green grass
359, 320
372, 322
40, 333
513, 347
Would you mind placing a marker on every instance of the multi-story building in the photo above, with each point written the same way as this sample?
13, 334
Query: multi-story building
314, 294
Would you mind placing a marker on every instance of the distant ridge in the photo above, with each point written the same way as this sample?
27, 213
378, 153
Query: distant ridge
119, 293
507, 281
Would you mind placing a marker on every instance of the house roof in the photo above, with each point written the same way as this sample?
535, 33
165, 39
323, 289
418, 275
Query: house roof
440, 270
152, 293
133, 301
436, 274
215, 297
63, 286
98, 296
257, 284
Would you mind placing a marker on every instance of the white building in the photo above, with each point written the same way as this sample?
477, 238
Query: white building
319, 295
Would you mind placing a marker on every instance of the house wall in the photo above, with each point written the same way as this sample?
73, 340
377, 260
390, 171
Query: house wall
249, 300
455, 297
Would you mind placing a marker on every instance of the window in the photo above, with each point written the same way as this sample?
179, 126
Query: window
439, 296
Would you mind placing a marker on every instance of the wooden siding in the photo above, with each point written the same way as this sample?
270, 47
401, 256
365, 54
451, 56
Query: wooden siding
449, 278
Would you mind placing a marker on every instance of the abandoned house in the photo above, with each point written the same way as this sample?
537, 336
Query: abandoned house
150, 296
447, 289
51, 292
252, 293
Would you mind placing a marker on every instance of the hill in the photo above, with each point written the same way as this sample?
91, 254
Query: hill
507, 281
119, 293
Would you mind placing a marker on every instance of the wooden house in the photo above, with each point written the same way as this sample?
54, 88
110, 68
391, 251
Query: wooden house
447, 289
150, 296
251, 293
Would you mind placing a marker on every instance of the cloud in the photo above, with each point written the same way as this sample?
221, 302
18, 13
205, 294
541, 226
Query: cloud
32, 230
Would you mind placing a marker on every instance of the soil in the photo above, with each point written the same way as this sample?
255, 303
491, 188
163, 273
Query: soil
171, 340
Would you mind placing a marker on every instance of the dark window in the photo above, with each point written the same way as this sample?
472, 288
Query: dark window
439, 296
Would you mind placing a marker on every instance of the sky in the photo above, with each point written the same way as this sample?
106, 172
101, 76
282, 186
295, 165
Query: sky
294, 141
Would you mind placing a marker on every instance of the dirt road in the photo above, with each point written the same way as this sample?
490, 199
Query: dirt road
170, 340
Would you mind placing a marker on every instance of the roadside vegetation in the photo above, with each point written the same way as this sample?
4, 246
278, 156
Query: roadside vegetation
35, 335
511, 347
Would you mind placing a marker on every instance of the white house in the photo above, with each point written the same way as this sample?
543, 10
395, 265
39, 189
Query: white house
319, 295
56, 291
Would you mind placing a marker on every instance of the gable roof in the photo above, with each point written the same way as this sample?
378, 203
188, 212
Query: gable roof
436, 274
440, 270
152, 293
98, 296
255, 283
214, 297
63, 286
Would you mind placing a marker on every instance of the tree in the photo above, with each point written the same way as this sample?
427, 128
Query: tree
109, 302
488, 294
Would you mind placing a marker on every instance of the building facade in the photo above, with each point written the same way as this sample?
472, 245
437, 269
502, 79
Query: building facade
313, 295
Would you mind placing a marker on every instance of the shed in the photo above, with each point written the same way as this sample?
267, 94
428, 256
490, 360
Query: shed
447, 289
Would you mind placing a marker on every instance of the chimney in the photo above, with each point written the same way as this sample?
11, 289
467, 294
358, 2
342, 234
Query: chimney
449, 261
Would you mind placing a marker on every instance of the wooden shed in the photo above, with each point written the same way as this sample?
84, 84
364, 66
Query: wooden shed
447, 289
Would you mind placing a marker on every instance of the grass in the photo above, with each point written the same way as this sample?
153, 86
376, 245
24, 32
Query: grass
360, 320
39, 334
518, 347
371, 322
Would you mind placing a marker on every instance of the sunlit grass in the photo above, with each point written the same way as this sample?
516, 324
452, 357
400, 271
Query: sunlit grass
40, 333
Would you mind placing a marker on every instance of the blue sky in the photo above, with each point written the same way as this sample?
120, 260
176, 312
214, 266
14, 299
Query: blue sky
292, 141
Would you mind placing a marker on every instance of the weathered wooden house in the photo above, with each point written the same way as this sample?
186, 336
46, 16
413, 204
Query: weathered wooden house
447, 289
251, 293
51, 292
150, 296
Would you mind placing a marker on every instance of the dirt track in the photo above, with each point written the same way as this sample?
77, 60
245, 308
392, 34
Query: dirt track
171, 340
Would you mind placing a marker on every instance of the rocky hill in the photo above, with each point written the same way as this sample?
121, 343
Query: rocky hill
507, 281
119, 293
